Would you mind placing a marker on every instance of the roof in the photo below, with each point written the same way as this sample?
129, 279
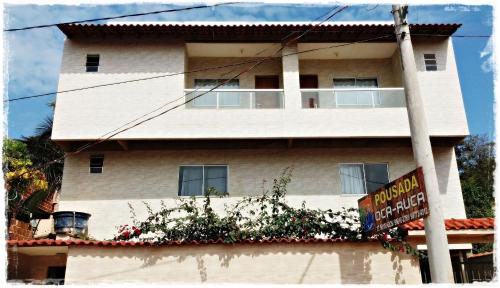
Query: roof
251, 31
51, 242
456, 224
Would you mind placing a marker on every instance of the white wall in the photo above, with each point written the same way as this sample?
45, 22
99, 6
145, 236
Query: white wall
136, 176
316, 263
88, 114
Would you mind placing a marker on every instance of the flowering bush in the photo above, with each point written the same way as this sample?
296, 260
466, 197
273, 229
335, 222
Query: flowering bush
126, 232
254, 218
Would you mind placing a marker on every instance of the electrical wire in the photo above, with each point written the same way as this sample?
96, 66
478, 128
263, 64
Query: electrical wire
121, 16
222, 66
59, 160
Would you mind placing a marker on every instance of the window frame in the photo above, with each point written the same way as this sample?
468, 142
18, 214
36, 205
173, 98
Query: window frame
364, 176
94, 156
203, 178
87, 66
426, 65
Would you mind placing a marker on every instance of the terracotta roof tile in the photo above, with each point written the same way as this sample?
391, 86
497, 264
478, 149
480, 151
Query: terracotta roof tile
456, 224
51, 242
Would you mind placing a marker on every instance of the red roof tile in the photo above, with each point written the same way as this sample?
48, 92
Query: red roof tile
456, 224
51, 242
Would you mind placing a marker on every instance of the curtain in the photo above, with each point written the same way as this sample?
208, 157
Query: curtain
216, 177
356, 98
190, 180
352, 179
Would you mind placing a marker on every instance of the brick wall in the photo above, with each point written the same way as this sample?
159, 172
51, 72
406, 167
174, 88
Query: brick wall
19, 230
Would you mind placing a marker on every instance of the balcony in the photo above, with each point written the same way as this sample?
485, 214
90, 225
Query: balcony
353, 98
234, 99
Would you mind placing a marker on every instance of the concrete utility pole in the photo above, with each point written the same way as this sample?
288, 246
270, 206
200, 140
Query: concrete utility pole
435, 233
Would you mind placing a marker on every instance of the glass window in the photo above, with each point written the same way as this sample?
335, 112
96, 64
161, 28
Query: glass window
363, 178
376, 176
212, 98
96, 163
356, 98
196, 180
430, 62
92, 64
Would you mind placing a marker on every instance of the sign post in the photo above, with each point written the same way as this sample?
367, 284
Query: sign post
398, 202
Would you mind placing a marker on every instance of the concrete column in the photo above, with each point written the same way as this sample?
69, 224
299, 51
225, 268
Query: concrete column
435, 233
291, 84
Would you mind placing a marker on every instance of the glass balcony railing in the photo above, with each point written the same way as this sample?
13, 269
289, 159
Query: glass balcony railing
353, 98
234, 99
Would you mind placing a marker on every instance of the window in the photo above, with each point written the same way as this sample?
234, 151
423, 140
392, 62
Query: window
224, 99
197, 179
92, 62
363, 178
430, 62
96, 163
356, 98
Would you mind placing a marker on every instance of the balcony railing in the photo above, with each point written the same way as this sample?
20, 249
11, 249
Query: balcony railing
353, 98
234, 99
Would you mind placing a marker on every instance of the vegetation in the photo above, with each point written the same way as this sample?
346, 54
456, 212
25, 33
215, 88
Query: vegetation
28, 178
476, 165
26, 187
252, 218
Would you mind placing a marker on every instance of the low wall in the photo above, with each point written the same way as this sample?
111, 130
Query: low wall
277, 263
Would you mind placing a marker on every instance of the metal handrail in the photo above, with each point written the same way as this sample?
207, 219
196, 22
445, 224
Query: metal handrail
233, 90
352, 89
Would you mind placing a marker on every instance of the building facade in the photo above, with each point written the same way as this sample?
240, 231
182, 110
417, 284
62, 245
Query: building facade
330, 105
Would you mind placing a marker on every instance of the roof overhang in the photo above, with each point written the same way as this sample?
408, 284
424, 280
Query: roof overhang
252, 31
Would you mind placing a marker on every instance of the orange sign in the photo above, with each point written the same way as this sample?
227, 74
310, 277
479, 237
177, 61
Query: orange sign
398, 202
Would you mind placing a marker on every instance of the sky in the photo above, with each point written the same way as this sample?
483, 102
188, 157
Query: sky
33, 57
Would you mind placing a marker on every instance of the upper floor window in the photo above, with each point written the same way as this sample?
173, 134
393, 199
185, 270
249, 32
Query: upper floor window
363, 178
195, 180
96, 163
355, 82
217, 99
92, 64
430, 62
356, 98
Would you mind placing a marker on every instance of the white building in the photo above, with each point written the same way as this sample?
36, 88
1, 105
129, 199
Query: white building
331, 105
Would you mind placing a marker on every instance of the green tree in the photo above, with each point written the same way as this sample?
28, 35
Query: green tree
476, 165
42, 150
26, 186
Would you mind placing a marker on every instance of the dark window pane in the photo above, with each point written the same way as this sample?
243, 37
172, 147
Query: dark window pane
376, 176
190, 180
216, 177
429, 56
92, 63
96, 163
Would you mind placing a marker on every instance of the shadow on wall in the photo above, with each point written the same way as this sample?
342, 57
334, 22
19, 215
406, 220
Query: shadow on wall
294, 263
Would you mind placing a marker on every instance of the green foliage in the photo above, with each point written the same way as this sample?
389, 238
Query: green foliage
476, 164
26, 187
251, 218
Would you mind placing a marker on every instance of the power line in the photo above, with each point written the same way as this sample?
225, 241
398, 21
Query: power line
121, 16
86, 146
192, 99
222, 66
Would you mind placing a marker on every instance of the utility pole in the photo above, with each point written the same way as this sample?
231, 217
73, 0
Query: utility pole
435, 233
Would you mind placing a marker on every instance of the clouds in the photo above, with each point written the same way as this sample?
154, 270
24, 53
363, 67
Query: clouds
461, 8
487, 55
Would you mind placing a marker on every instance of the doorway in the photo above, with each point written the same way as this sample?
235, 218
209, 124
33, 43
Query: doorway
267, 99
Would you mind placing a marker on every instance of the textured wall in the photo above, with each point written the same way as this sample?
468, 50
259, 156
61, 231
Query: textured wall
441, 89
340, 263
130, 177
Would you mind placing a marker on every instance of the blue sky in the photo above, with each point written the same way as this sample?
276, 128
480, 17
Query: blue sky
34, 56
